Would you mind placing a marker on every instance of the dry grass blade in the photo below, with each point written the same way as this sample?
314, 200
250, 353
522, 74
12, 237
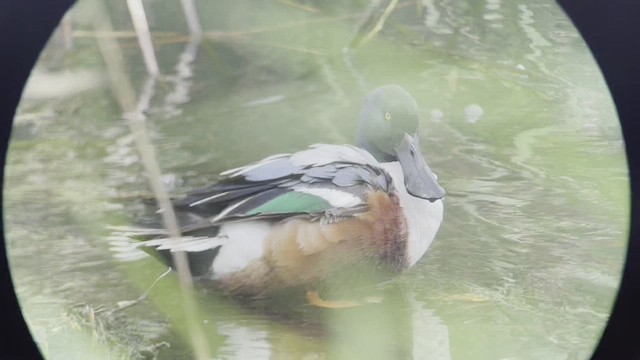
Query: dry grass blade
372, 18
140, 23
119, 34
297, 5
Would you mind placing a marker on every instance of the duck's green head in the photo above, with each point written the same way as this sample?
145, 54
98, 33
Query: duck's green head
388, 129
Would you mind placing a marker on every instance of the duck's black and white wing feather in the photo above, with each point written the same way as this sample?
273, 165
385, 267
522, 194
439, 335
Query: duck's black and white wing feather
324, 179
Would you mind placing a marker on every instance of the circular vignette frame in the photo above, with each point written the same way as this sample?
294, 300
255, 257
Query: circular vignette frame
610, 30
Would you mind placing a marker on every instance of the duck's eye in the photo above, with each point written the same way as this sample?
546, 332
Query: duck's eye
387, 116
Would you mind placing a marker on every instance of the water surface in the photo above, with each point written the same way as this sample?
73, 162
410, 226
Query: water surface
516, 122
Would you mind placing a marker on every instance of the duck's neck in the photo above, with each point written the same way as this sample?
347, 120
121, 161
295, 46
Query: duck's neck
379, 155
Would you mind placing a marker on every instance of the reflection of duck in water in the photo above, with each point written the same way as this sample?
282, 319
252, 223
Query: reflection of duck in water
299, 220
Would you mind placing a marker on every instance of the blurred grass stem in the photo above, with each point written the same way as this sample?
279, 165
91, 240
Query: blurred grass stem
124, 93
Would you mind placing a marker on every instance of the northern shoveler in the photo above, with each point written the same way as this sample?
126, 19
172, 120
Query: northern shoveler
296, 220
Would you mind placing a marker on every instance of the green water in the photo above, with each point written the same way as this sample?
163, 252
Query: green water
516, 122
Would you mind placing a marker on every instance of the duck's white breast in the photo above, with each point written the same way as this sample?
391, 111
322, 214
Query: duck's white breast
423, 217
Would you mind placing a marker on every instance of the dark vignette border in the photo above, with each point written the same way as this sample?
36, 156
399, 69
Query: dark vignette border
612, 32
610, 28
25, 26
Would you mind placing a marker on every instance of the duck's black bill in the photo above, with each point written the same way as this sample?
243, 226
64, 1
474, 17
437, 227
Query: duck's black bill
418, 177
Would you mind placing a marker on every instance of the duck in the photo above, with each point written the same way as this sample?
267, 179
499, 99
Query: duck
298, 220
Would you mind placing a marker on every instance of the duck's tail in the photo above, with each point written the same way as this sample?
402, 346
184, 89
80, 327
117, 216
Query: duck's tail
132, 243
